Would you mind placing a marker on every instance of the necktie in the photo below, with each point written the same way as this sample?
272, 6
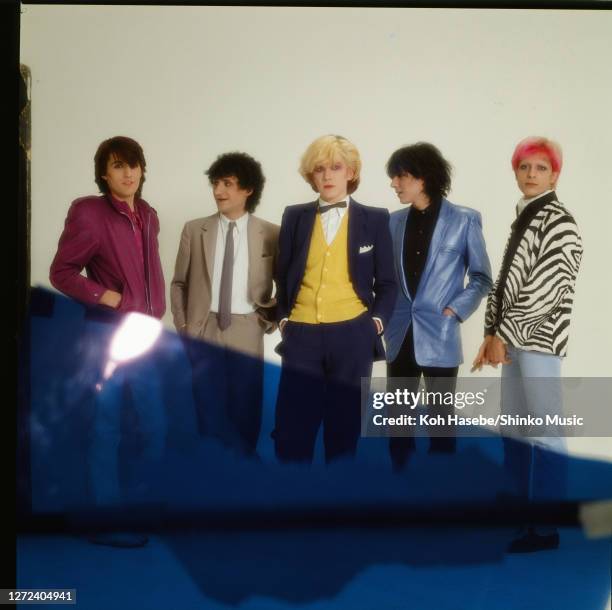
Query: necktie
227, 271
326, 208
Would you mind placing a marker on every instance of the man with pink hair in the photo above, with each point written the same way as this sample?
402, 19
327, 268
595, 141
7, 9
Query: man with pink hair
526, 328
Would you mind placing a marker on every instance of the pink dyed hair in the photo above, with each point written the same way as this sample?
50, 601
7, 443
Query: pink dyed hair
534, 145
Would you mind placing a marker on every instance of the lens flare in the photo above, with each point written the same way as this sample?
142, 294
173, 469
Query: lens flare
135, 336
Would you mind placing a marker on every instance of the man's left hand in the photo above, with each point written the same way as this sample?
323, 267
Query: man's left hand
497, 352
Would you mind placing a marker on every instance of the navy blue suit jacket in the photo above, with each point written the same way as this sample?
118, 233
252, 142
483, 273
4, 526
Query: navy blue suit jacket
370, 258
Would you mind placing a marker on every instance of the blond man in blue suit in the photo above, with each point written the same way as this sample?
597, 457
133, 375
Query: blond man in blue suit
335, 294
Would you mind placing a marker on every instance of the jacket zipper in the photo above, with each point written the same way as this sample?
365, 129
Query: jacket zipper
146, 271
147, 268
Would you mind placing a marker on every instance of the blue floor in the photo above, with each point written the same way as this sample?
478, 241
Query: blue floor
322, 570
337, 568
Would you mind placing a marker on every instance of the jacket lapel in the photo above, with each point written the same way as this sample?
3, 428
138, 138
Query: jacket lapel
437, 239
255, 239
210, 227
398, 246
356, 236
303, 232
529, 212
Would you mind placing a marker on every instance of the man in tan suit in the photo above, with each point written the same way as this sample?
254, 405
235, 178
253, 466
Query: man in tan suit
221, 293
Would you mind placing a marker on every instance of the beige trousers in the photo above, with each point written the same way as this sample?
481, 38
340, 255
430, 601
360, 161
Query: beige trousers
244, 334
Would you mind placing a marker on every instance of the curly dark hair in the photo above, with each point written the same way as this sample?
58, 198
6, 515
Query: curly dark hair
126, 150
423, 160
245, 169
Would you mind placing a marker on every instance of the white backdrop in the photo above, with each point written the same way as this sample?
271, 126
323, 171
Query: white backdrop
191, 82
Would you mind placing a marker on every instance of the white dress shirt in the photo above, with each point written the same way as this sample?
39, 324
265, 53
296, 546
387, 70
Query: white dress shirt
240, 299
331, 220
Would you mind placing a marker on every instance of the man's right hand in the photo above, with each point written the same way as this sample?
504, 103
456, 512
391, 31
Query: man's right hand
110, 298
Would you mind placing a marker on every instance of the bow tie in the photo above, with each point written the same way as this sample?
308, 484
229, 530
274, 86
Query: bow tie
326, 208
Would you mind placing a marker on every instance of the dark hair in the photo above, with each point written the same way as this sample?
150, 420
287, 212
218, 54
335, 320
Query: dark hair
245, 169
126, 150
423, 160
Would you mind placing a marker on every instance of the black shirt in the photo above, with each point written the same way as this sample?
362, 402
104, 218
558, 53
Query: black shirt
420, 226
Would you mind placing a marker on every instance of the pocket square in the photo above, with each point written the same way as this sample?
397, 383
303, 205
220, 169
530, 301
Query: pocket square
364, 249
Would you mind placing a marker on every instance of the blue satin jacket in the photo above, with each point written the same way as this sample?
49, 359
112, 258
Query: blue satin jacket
457, 248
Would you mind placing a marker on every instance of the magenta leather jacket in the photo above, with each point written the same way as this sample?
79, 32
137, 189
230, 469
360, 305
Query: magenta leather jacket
98, 236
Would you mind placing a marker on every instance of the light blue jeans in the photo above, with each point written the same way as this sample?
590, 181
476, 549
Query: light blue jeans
531, 385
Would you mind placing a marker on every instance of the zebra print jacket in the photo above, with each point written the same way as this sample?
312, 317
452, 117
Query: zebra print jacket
530, 304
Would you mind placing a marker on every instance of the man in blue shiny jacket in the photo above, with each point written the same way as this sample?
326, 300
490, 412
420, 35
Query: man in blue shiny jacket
435, 245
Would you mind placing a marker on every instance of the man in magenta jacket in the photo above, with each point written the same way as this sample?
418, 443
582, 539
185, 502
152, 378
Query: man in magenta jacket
114, 238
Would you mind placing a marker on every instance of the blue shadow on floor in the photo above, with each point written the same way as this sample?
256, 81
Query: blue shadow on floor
350, 535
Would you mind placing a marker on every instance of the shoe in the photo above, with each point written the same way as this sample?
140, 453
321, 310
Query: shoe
532, 542
120, 540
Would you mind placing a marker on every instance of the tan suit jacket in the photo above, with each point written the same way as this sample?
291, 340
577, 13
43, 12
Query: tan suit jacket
191, 287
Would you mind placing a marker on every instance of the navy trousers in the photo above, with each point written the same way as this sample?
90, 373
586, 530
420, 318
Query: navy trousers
321, 384
228, 395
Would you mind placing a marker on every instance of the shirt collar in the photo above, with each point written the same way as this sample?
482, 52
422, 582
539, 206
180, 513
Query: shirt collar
322, 203
434, 204
123, 205
241, 222
523, 203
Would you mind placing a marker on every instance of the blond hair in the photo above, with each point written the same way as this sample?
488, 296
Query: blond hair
328, 149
